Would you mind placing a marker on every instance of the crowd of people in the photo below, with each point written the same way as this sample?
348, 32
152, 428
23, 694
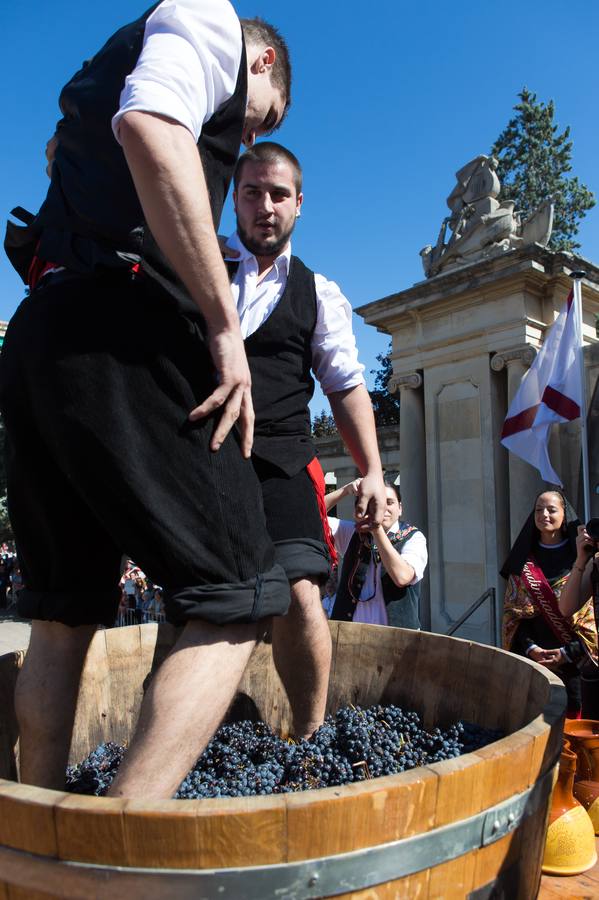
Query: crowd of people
141, 600
11, 579
376, 578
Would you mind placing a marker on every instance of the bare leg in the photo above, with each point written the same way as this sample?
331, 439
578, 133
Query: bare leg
46, 699
183, 707
301, 645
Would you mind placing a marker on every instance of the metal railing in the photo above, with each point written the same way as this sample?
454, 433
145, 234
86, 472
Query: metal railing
488, 594
138, 617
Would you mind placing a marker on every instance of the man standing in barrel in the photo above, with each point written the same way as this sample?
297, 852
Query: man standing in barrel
294, 322
111, 442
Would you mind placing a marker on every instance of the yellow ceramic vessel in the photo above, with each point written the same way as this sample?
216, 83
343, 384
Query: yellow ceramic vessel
570, 844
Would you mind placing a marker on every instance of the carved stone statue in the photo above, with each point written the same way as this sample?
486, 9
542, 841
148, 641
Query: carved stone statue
481, 226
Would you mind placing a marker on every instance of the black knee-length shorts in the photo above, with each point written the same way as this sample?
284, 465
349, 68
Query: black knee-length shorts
97, 379
294, 522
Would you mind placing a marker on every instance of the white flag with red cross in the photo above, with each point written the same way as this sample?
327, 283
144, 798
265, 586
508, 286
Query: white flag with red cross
551, 391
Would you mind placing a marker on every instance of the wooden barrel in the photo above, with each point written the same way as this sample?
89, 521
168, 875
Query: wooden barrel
468, 827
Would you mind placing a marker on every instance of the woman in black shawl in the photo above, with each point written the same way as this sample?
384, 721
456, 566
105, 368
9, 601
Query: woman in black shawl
537, 568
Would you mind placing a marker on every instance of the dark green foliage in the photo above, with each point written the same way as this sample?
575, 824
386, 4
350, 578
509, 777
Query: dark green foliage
534, 161
384, 404
324, 425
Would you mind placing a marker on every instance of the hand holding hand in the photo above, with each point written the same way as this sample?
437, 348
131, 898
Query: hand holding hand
371, 502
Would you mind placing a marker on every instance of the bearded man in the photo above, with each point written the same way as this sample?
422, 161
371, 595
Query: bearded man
296, 322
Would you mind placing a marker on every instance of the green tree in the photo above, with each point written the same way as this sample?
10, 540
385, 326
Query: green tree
384, 404
534, 161
323, 425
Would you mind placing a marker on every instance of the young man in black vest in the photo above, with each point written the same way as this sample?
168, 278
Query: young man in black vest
296, 322
123, 373
380, 579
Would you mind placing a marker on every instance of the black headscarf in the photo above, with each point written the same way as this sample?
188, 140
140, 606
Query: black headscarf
529, 536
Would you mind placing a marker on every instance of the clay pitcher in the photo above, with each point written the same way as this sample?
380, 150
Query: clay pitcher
586, 786
570, 843
585, 728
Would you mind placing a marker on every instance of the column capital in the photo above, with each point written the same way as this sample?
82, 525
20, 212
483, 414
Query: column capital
412, 380
525, 354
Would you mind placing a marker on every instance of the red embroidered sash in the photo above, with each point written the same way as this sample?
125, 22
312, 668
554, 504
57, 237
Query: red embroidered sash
545, 601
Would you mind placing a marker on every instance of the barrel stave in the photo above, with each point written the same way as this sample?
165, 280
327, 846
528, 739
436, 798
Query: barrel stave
339, 820
27, 818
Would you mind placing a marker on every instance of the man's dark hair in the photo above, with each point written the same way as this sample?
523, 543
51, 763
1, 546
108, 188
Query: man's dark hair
257, 31
269, 152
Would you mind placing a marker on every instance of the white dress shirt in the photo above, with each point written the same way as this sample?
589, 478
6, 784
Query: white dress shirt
414, 552
334, 353
188, 65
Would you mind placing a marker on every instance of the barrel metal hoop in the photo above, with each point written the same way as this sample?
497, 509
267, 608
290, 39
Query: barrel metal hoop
313, 878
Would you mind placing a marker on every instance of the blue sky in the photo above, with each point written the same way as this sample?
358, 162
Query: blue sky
386, 107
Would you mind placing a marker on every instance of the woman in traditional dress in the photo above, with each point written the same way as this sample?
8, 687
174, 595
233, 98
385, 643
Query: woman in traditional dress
537, 569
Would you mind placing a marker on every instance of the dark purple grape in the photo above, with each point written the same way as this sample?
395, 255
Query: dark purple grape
246, 758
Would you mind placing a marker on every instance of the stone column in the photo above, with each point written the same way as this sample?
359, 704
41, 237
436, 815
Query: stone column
345, 507
524, 480
412, 448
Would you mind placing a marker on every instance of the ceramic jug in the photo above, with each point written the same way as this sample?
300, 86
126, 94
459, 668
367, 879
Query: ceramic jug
570, 843
584, 737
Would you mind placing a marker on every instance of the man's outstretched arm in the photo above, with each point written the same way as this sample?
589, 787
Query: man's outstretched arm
167, 171
352, 411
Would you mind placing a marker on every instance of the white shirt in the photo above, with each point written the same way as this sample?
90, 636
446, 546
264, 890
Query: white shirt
414, 552
188, 65
334, 352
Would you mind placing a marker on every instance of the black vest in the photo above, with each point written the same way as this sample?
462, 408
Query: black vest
280, 358
402, 603
91, 219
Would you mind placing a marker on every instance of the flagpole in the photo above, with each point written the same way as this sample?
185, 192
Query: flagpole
577, 277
